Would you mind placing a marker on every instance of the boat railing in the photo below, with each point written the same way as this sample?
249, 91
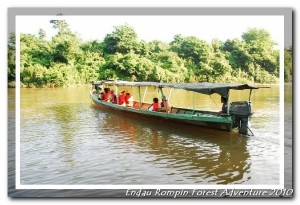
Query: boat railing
172, 110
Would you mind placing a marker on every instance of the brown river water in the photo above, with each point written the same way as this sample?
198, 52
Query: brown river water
67, 140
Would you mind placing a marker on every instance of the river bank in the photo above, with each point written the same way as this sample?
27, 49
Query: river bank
12, 84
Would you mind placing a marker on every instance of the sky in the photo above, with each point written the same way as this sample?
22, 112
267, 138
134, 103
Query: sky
162, 28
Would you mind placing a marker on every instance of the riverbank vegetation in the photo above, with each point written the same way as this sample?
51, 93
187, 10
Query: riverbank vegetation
66, 60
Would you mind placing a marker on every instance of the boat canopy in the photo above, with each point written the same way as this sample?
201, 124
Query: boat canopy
204, 88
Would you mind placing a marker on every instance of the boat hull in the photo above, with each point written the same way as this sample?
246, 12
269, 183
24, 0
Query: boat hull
199, 119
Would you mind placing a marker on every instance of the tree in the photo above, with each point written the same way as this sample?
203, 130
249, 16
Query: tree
122, 40
66, 60
92, 46
288, 64
66, 45
11, 57
253, 58
42, 34
157, 46
261, 48
190, 48
89, 68
127, 67
169, 66
221, 66
61, 25
221, 69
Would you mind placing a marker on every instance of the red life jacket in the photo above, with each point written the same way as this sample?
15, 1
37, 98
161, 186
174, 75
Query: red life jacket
126, 99
155, 106
106, 95
113, 98
121, 99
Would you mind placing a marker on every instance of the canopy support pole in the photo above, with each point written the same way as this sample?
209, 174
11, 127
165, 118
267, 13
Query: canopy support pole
227, 102
194, 101
170, 94
161, 92
145, 93
250, 94
140, 96
117, 94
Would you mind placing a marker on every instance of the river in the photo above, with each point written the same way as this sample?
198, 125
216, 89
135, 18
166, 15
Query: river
67, 140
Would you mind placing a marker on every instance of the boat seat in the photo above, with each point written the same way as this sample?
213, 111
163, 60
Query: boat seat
174, 110
136, 105
180, 111
145, 106
161, 109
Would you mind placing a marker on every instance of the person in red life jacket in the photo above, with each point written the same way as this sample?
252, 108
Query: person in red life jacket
122, 98
112, 97
127, 96
106, 94
155, 105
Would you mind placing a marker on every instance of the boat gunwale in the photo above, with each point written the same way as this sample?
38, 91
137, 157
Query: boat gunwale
188, 118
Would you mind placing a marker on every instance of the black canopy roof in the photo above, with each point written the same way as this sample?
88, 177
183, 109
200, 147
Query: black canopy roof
204, 88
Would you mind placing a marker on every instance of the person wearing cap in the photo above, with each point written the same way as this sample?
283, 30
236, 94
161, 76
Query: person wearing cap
164, 105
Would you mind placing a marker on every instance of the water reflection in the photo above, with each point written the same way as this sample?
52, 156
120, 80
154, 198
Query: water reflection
198, 154
64, 140
66, 115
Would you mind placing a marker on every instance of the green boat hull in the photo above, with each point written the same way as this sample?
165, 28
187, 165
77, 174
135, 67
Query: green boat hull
186, 116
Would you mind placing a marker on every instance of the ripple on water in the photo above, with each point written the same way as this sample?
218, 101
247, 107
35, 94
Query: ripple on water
75, 143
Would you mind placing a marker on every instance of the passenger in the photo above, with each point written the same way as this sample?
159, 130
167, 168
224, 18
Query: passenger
128, 99
93, 88
224, 106
101, 94
98, 89
122, 98
127, 96
155, 105
164, 105
112, 97
106, 94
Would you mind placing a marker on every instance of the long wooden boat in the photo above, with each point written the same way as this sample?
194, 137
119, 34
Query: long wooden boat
237, 114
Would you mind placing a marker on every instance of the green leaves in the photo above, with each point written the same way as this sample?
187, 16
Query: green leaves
288, 64
190, 48
65, 60
123, 40
255, 55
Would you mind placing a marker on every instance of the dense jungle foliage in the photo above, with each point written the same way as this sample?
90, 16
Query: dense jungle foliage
66, 60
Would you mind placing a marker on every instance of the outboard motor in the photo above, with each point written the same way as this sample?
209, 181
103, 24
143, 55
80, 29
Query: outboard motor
241, 112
